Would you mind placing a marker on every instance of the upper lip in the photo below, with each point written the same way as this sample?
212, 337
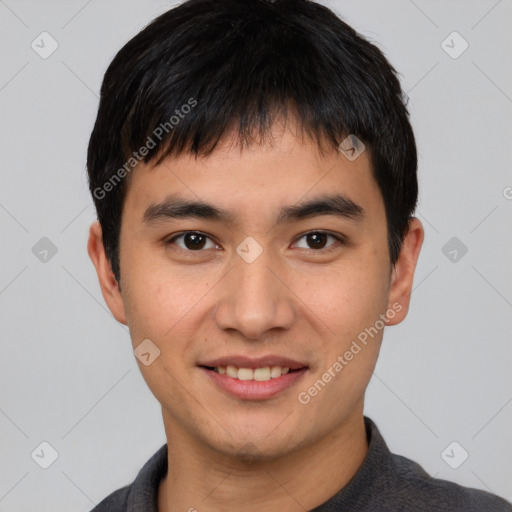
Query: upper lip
254, 362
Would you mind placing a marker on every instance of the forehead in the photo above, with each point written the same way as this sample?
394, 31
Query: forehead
258, 178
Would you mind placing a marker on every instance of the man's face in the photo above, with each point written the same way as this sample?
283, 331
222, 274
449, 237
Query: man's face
268, 282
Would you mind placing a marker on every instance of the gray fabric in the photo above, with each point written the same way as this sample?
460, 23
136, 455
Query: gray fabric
384, 483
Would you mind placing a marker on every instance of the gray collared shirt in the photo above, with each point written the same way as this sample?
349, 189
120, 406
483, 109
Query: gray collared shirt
384, 483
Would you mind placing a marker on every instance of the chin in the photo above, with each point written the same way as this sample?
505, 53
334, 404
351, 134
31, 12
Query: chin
253, 443
253, 452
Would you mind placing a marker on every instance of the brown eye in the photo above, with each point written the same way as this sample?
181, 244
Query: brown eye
192, 241
318, 240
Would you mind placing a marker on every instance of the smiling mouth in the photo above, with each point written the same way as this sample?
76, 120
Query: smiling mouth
261, 374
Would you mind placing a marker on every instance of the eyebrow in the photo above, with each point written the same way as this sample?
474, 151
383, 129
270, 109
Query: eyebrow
177, 208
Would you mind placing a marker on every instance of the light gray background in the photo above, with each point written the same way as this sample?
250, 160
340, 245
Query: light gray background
67, 372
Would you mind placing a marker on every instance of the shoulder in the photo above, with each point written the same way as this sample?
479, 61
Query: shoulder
142, 493
387, 482
115, 502
413, 487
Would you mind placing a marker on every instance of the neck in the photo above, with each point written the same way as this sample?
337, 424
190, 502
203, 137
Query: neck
201, 479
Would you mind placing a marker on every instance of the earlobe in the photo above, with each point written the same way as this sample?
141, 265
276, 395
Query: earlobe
108, 283
403, 272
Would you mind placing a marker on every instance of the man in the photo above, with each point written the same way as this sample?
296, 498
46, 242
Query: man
254, 174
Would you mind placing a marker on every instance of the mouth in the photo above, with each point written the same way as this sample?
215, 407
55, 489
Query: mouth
262, 374
254, 379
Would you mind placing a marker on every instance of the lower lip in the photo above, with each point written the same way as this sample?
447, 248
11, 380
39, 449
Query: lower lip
253, 389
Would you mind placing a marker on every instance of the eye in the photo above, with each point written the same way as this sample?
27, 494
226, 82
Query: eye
195, 241
318, 240
192, 241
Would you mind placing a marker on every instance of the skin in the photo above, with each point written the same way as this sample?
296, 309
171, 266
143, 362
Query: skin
294, 300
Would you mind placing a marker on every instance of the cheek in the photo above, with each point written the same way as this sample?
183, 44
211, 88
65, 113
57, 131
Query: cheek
162, 301
348, 298
149, 305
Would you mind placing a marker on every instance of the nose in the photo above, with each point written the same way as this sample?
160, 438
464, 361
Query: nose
255, 299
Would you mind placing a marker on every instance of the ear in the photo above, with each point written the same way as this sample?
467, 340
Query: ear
403, 272
108, 283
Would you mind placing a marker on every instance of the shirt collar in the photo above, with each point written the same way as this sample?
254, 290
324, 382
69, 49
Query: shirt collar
143, 496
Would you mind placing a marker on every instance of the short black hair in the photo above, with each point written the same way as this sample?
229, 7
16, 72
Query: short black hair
207, 68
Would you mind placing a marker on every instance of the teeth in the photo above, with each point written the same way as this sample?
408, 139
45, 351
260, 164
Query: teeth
231, 371
245, 374
275, 371
259, 374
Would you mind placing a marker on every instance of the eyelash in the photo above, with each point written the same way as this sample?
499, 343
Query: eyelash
340, 239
